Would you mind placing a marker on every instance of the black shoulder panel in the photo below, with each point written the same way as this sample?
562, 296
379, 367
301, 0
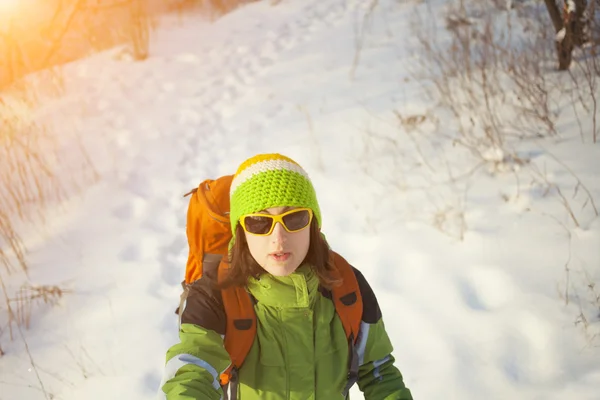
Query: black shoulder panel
371, 310
204, 306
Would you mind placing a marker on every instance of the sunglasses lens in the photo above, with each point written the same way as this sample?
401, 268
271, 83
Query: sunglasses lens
258, 225
297, 220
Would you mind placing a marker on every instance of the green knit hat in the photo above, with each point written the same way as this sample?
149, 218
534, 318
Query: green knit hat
270, 180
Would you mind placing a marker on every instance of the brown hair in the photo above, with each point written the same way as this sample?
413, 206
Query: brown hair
243, 265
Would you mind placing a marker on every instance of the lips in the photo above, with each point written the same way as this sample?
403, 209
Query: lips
280, 256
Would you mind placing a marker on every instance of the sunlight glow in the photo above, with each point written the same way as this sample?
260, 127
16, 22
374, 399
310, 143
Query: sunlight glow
7, 6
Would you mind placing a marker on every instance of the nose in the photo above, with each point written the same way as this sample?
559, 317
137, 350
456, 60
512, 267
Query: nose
279, 234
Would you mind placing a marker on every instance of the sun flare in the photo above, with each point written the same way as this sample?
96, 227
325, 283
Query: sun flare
8, 5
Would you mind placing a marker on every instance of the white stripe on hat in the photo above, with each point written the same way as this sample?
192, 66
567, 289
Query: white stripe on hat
264, 166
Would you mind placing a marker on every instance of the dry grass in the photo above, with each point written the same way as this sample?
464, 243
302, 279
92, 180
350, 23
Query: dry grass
31, 184
29, 296
497, 77
587, 303
20, 307
27, 174
471, 74
32, 176
74, 29
129, 23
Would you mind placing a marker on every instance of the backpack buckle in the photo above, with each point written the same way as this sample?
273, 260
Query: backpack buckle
230, 391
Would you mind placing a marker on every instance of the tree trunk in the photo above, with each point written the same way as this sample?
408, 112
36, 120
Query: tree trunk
573, 23
578, 23
564, 49
555, 16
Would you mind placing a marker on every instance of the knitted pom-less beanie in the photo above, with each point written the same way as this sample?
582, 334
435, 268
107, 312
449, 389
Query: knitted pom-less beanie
270, 180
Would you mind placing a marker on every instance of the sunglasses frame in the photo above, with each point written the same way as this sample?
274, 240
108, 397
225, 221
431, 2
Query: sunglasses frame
275, 219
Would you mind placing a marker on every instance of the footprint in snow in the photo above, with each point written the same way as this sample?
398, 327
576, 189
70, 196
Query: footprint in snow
131, 253
487, 288
151, 383
135, 207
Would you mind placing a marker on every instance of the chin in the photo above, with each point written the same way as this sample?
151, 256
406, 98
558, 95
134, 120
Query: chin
280, 270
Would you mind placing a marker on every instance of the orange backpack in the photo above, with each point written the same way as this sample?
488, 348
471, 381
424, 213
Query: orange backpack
208, 232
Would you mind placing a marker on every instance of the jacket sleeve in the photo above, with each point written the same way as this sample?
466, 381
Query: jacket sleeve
194, 365
378, 377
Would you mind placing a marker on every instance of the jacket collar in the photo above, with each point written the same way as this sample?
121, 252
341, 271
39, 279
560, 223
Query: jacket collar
297, 290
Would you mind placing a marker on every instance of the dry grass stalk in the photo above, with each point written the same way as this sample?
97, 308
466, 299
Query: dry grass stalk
359, 35
29, 182
587, 69
139, 29
541, 181
47, 395
29, 295
589, 311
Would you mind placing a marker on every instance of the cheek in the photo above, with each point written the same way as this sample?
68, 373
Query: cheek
257, 246
302, 242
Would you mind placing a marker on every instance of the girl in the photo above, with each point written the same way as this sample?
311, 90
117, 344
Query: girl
279, 256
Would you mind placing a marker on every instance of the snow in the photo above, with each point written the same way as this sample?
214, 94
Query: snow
471, 274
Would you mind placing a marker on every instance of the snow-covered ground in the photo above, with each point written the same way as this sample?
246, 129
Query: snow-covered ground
484, 317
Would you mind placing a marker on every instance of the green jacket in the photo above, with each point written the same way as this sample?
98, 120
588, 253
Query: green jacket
300, 351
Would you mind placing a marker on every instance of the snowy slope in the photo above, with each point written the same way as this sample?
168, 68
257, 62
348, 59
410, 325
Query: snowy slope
480, 318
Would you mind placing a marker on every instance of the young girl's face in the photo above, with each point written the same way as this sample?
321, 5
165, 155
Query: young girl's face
281, 252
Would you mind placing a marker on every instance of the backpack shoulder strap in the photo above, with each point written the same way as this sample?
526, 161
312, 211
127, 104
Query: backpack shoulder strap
241, 324
347, 298
349, 307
